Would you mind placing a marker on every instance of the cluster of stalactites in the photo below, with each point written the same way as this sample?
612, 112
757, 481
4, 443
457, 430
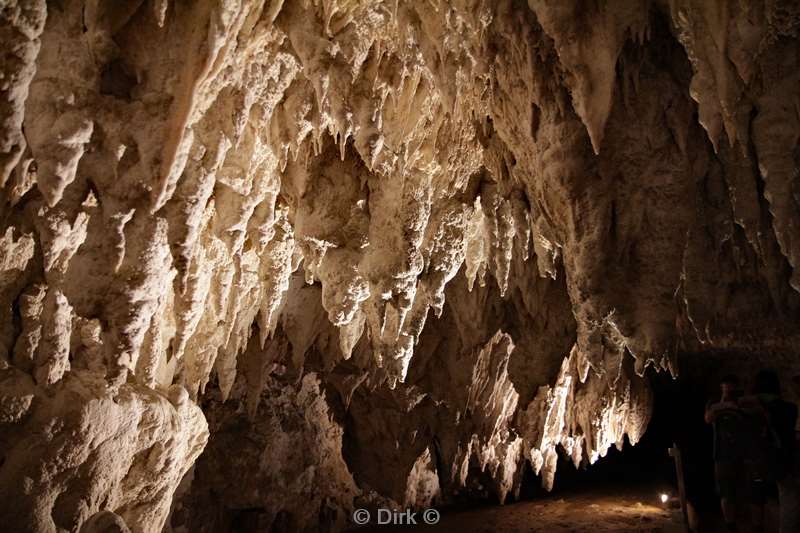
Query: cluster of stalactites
176, 189
585, 417
188, 160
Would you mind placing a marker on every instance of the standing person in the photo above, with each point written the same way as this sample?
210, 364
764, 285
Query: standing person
728, 423
776, 448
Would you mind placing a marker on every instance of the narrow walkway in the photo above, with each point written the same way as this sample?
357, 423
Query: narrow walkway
594, 509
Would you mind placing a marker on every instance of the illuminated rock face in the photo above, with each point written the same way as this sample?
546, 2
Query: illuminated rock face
386, 251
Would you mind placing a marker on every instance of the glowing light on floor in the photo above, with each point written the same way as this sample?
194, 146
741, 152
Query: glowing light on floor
664, 498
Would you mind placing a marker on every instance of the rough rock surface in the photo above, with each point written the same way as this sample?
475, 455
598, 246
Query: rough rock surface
372, 252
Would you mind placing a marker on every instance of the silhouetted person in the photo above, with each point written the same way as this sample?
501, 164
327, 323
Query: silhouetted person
774, 460
729, 446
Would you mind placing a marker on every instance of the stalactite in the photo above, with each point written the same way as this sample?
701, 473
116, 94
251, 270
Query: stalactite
442, 237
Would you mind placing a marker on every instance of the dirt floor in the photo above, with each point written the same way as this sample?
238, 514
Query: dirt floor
595, 510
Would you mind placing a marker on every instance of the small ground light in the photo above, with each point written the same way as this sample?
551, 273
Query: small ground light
664, 497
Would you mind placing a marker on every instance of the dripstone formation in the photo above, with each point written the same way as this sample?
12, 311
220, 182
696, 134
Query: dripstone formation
266, 261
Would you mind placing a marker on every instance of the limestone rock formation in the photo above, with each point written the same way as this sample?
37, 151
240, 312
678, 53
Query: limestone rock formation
368, 252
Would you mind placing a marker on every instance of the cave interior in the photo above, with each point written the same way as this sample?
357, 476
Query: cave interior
265, 264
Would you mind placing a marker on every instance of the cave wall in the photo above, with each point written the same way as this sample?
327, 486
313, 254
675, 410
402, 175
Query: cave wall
263, 261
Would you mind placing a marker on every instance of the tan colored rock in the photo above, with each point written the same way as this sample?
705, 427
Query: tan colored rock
419, 242
83, 447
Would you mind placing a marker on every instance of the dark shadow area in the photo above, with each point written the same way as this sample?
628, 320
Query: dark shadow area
648, 469
686, 426
646, 463
624, 488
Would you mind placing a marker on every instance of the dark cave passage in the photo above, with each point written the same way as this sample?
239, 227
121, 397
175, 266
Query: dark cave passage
626, 489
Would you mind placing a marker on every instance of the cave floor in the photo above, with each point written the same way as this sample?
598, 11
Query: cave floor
595, 509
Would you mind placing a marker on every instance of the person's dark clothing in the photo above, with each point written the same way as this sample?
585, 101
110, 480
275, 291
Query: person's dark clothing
782, 419
729, 429
729, 448
771, 444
